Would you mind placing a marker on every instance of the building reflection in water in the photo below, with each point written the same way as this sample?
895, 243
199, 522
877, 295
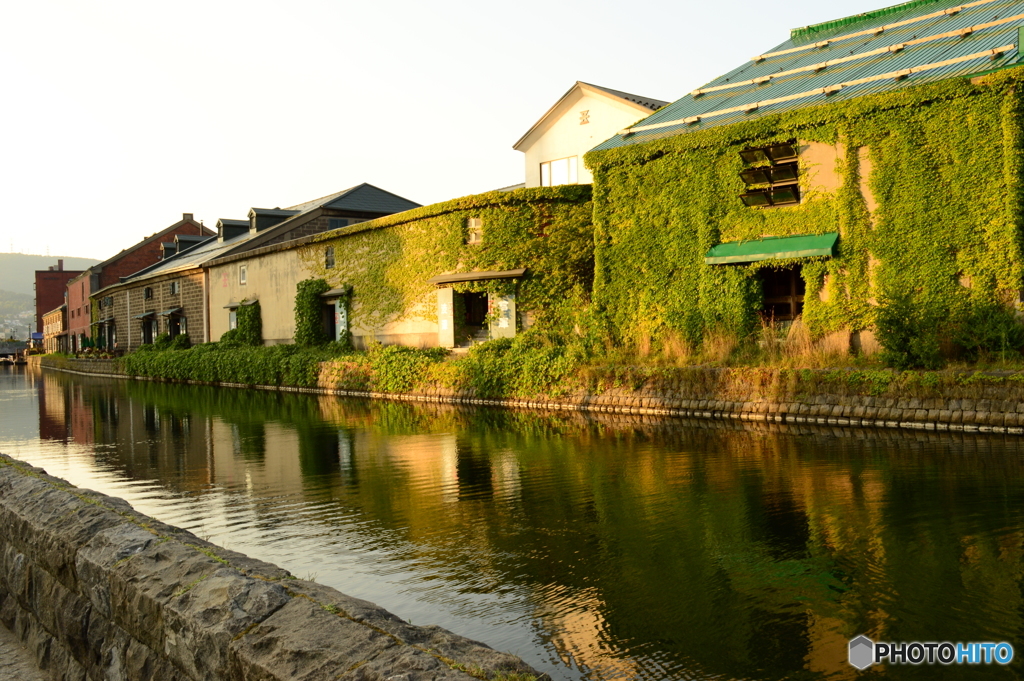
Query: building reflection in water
620, 547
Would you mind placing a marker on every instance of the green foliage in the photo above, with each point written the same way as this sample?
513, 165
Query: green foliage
939, 214
991, 328
309, 325
907, 332
526, 366
162, 342
232, 363
388, 261
396, 368
250, 324
181, 342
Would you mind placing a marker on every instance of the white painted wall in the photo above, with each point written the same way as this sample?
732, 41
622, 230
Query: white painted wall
562, 135
271, 279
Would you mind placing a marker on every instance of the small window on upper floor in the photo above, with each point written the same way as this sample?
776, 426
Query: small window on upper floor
147, 293
329, 257
338, 223
562, 171
243, 274
474, 231
174, 288
774, 179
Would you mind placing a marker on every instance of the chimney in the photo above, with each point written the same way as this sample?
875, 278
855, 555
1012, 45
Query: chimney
60, 265
187, 217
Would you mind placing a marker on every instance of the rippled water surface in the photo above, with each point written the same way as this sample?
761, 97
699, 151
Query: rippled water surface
595, 547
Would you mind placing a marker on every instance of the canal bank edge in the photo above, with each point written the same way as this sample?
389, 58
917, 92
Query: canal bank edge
97, 590
976, 407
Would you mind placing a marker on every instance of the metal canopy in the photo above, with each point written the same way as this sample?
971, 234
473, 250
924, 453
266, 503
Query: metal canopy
336, 292
773, 248
235, 306
151, 313
172, 311
476, 276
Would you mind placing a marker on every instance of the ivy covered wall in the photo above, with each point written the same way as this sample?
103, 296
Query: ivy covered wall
927, 204
388, 261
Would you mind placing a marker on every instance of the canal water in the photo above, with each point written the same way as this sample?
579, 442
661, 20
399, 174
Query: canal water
594, 546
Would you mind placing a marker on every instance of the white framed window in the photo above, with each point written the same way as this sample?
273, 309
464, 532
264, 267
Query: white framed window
474, 231
233, 319
174, 288
329, 257
561, 171
243, 274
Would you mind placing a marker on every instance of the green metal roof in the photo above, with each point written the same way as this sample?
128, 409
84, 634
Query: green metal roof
772, 248
847, 58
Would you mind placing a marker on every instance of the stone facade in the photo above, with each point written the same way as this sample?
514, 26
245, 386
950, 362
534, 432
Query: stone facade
131, 300
55, 324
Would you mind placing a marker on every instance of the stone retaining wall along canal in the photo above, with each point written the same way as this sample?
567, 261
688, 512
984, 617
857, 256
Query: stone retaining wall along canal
99, 591
942, 401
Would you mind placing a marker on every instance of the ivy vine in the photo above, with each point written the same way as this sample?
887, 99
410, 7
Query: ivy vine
943, 234
309, 324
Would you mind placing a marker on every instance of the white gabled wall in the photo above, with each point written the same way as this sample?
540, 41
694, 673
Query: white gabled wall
562, 135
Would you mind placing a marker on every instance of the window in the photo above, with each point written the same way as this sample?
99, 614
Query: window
337, 223
147, 293
243, 273
233, 319
329, 257
774, 184
474, 231
174, 288
554, 173
182, 325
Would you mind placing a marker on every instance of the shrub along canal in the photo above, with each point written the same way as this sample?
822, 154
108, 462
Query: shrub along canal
594, 546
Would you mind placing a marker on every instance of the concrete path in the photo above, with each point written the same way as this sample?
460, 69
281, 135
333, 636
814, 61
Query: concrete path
16, 663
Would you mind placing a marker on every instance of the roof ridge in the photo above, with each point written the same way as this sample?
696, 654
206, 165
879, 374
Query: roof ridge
308, 205
856, 18
625, 95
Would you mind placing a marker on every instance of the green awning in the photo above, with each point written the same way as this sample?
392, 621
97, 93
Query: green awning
773, 248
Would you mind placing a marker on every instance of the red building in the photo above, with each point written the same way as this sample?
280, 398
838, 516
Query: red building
129, 261
51, 285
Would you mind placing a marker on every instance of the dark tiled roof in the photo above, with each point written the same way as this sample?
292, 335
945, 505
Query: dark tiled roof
652, 104
369, 199
885, 50
277, 212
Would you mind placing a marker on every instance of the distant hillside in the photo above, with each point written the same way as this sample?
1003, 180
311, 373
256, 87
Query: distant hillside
17, 270
14, 303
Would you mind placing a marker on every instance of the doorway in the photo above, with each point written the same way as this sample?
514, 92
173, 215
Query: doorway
783, 293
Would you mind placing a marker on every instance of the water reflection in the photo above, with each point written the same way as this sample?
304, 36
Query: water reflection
596, 547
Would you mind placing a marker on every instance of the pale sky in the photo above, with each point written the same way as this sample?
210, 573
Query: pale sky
117, 117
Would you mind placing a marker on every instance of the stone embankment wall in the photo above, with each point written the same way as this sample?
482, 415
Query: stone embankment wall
99, 591
714, 393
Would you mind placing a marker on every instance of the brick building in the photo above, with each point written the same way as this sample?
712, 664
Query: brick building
127, 262
51, 287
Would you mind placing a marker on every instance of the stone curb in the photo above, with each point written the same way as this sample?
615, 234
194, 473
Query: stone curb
97, 590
